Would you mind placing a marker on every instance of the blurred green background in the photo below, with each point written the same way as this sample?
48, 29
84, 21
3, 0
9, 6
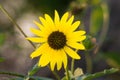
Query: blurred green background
100, 18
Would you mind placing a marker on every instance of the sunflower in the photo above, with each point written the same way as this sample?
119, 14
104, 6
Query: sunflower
57, 39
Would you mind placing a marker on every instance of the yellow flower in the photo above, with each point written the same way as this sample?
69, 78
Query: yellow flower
57, 40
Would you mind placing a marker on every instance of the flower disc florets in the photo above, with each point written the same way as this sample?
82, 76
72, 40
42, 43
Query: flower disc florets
57, 40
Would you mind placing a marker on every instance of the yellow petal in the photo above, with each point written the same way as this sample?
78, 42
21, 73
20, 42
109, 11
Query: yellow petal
49, 19
81, 38
59, 59
70, 20
52, 55
71, 53
79, 33
36, 32
64, 18
52, 64
66, 26
39, 51
43, 21
64, 56
76, 45
75, 25
49, 22
59, 64
56, 18
38, 25
36, 39
44, 60
78, 39
47, 26
76, 36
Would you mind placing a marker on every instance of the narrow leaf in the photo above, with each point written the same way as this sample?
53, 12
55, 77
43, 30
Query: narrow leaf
34, 70
32, 78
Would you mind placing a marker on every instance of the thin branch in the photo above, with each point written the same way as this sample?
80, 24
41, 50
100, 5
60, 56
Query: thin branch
12, 74
13, 21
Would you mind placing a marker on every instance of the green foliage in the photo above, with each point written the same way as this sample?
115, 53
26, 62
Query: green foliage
113, 59
96, 19
34, 70
48, 6
32, 78
89, 42
2, 38
23, 77
95, 2
78, 74
1, 59
98, 74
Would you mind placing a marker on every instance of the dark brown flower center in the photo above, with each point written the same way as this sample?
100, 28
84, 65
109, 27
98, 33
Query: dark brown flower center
57, 40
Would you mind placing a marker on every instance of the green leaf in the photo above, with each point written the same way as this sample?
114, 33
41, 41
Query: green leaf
1, 59
33, 70
40, 78
113, 59
32, 78
96, 20
23, 77
98, 74
96, 2
12, 74
2, 38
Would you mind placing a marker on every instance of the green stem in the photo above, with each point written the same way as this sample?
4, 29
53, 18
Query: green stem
72, 65
13, 21
99, 74
56, 75
67, 74
88, 62
13, 74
